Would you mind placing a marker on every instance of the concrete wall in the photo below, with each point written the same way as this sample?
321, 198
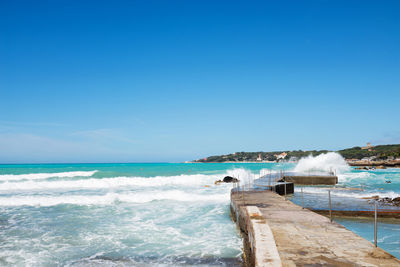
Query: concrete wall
259, 247
280, 188
240, 218
312, 180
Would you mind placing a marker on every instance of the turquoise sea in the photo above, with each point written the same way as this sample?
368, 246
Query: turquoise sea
150, 214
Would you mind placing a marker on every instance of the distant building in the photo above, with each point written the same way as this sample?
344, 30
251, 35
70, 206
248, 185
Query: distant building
368, 146
281, 156
372, 158
259, 157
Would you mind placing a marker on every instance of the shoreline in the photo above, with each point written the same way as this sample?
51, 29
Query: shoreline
385, 164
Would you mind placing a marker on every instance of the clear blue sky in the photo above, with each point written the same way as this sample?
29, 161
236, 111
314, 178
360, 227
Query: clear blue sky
127, 81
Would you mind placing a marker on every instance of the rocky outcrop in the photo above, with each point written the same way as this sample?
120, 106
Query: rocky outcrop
377, 164
230, 179
391, 201
227, 179
370, 167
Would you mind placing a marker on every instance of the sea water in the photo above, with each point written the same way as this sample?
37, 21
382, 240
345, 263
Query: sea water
154, 214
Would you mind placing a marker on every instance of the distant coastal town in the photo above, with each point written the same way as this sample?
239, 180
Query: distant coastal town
379, 156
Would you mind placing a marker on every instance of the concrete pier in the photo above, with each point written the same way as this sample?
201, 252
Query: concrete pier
311, 179
279, 233
298, 178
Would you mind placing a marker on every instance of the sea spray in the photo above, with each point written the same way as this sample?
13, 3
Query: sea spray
328, 162
245, 176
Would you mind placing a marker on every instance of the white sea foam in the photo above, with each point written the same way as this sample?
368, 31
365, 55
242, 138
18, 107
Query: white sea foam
348, 193
354, 176
111, 198
327, 162
116, 182
36, 176
245, 176
264, 172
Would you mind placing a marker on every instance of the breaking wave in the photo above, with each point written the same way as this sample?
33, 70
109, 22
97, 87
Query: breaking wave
107, 183
29, 190
111, 198
36, 176
328, 162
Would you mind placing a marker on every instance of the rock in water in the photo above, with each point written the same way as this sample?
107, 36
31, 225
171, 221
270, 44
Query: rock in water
229, 179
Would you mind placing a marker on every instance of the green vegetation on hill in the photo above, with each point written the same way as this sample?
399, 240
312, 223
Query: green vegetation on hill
380, 152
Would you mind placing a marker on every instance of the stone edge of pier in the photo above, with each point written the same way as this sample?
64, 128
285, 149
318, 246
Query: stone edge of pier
260, 248
259, 243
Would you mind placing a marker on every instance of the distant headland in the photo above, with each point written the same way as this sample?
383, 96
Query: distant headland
367, 156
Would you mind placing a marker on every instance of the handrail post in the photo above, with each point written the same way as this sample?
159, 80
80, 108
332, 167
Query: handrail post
376, 226
285, 190
330, 205
244, 202
302, 206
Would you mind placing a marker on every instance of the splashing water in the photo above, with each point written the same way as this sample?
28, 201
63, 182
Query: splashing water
144, 214
328, 162
117, 214
244, 176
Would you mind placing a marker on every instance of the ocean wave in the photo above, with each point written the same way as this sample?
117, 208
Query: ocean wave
36, 176
115, 182
328, 162
194, 180
347, 193
111, 198
245, 176
350, 176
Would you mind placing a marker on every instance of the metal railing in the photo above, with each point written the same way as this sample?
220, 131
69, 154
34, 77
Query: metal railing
271, 180
366, 211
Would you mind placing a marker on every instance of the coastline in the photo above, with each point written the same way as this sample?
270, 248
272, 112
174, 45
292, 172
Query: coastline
386, 164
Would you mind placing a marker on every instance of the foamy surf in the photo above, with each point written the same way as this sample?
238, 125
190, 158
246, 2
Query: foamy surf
112, 198
36, 176
328, 162
355, 176
183, 181
343, 192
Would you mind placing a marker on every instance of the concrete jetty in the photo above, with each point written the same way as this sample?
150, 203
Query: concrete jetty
279, 233
299, 178
311, 179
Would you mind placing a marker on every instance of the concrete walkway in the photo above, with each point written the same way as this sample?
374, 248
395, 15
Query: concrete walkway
304, 238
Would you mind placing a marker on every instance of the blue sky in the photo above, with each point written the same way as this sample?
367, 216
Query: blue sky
138, 81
